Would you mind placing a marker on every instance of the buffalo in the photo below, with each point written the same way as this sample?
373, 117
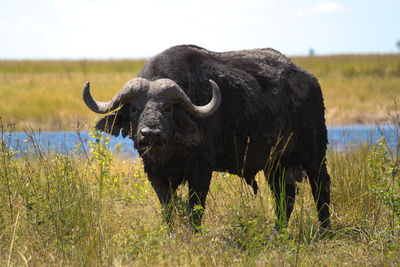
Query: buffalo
191, 111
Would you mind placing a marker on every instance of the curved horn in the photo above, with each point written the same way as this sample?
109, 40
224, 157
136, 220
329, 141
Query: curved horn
131, 89
201, 111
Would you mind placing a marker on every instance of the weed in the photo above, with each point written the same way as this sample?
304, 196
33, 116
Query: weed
386, 176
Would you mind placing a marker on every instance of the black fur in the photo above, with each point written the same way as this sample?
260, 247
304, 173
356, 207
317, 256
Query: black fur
271, 118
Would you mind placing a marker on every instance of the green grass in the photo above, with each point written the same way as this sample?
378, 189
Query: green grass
47, 94
97, 209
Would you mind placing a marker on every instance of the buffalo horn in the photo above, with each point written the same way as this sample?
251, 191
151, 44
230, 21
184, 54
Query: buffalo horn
132, 89
200, 111
140, 86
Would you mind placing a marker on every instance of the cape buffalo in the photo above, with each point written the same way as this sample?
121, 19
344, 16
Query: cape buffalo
265, 113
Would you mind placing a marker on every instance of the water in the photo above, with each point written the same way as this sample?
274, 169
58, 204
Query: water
353, 135
64, 142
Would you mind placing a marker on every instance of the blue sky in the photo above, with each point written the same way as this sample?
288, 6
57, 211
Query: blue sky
76, 29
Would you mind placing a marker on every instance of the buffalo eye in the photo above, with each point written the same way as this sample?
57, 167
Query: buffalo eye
167, 108
133, 109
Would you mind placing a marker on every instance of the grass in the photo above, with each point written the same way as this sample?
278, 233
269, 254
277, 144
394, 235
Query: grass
357, 88
99, 209
96, 209
47, 94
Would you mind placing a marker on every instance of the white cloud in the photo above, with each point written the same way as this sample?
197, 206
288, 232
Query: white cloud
323, 8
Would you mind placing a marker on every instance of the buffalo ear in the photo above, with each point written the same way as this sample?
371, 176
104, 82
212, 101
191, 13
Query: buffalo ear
114, 124
187, 132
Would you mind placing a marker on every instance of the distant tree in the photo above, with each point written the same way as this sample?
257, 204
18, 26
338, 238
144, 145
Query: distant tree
398, 44
311, 52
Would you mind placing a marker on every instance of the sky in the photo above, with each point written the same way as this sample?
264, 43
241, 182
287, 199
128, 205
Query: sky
102, 29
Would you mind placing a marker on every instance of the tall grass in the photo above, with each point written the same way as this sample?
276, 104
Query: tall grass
93, 208
59, 209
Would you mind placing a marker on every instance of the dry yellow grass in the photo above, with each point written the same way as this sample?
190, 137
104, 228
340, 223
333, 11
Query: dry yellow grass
358, 89
53, 101
47, 94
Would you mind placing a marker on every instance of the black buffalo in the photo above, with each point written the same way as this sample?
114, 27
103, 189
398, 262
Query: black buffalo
265, 113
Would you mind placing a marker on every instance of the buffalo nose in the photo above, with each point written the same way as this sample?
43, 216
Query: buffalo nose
150, 133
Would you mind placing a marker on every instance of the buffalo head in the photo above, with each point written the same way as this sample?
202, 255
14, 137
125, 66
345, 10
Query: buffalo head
147, 112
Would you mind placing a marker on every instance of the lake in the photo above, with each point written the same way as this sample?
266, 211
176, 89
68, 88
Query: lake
64, 142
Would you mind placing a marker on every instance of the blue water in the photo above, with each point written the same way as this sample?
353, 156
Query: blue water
64, 142
353, 135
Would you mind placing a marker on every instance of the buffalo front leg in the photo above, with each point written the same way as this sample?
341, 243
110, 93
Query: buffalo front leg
198, 189
165, 192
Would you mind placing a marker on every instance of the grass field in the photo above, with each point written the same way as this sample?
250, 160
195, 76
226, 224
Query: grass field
92, 208
47, 94
358, 89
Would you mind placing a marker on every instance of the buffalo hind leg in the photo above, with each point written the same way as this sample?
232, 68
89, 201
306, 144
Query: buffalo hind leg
320, 185
198, 189
284, 195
